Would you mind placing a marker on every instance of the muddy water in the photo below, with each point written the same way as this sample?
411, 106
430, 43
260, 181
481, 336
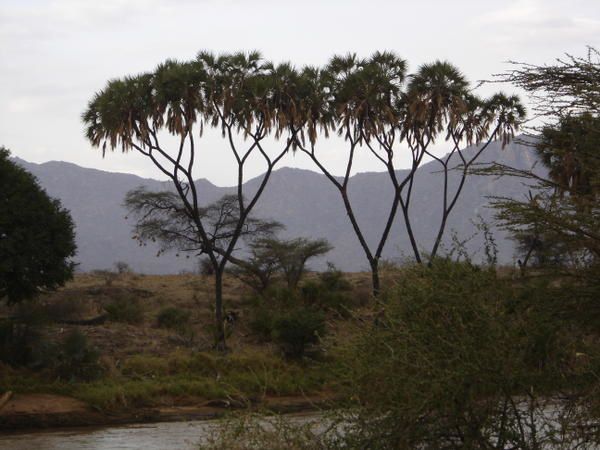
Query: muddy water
156, 436
153, 436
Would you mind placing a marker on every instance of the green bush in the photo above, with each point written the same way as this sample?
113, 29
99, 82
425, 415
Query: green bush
23, 344
457, 357
145, 366
316, 294
294, 318
262, 322
267, 308
173, 318
77, 360
333, 279
330, 291
297, 329
281, 296
125, 309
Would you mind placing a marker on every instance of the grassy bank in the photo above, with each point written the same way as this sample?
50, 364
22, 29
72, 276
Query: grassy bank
145, 381
153, 348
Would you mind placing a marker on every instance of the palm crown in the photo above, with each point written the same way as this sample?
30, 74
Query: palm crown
357, 97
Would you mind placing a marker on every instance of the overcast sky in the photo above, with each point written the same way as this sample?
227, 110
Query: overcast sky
56, 54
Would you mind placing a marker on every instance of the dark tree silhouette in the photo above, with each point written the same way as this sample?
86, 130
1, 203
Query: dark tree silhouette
37, 238
162, 218
561, 219
440, 104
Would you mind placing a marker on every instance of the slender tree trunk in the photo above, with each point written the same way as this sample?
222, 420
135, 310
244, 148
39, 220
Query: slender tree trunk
438, 239
523, 264
363, 243
447, 210
220, 344
343, 190
411, 235
375, 277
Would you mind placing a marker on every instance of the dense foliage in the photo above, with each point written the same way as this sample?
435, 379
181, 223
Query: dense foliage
456, 358
463, 359
559, 223
37, 238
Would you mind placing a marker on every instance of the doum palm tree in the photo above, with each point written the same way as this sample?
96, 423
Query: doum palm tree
371, 103
375, 106
243, 95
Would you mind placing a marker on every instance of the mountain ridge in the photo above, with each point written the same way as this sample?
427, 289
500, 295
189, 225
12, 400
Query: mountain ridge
303, 200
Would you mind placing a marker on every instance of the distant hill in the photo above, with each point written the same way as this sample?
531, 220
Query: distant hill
304, 201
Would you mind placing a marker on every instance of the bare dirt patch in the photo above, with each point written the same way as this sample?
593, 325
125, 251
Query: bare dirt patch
42, 404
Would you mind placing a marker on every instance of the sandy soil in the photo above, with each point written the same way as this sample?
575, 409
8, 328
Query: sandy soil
42, 404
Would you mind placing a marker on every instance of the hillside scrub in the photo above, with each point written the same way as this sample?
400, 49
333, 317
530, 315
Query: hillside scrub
295, 319
122, 365
477, 361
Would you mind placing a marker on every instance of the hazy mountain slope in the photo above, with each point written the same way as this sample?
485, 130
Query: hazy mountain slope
304, 201
312, 207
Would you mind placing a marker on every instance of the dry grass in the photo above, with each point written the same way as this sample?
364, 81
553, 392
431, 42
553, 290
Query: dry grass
146, 364
88, 294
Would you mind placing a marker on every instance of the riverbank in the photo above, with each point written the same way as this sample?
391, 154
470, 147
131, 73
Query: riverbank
46, 411
149, 357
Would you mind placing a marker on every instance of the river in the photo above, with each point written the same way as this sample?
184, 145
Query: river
151, 436
154, 436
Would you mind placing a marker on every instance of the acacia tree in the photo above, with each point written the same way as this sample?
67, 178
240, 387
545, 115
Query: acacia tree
561, 219
559, 224
242, 94
568, 87
162, 217
270, 256
37, 238
292, 254
257, 270
564, 210
367, 102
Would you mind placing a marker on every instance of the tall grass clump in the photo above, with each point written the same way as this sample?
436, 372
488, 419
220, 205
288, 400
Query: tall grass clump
126, 309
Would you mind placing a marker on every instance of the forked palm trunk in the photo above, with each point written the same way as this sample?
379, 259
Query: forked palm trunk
375, 277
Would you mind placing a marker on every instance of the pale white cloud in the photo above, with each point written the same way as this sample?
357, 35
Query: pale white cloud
512, 12
44, 20
24, 104
537, 22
